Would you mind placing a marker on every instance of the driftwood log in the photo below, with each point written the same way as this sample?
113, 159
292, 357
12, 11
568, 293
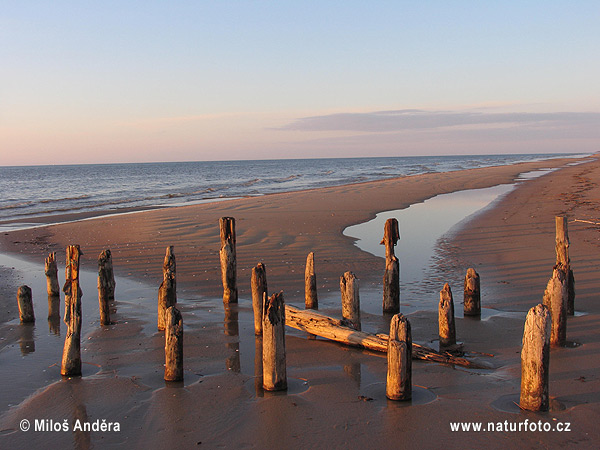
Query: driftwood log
399, 374
51, 272
472, 293
447, 329
555, 299
328, 327
350, 300
71, 360
311, 300
535, 358
228, 259
258, 283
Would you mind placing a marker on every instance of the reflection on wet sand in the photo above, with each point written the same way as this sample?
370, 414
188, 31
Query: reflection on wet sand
232, 328
258, 366
81, 437
27, 338
54, 314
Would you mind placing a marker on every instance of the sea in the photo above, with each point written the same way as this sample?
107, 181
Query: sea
34, 193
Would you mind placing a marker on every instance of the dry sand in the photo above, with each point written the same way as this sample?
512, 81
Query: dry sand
337, 395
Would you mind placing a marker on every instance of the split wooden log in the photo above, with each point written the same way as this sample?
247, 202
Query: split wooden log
447, 329
228, 259
472, 294
350, 300
399, 374
71, 360
391, 277
25, 302
310, 283
258, 283
53, 288
274, 365
555, 299
106, 285
173, 345
535, 358
337, 330
167, 292
564, 261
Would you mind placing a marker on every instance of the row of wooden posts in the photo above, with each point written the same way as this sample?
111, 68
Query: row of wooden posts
545, 324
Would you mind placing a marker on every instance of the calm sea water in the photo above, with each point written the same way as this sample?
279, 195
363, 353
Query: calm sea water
35, 191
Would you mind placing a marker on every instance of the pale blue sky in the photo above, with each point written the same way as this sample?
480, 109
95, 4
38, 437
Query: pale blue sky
117, 81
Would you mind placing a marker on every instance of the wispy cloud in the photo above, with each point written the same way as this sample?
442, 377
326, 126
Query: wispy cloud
416, 119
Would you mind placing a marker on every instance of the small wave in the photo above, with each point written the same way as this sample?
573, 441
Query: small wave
64, 199
251, 182
290, 178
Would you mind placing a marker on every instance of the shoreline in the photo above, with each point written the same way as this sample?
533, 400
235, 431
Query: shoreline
337, 394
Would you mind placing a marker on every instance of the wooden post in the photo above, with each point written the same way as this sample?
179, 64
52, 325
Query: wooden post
350, 300
106, 286
258, 283
167, 292
535, 358
71, 360
564, 261
25, 303
447, 329
472, 294
51, 272
173, 345
310, 283
391, 277
228, 258
274, 367
555, 299
399, 375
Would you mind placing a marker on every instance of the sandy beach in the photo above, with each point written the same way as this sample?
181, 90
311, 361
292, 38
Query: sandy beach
336, 396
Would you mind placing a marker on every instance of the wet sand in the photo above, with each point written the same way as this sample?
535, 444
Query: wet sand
337, 395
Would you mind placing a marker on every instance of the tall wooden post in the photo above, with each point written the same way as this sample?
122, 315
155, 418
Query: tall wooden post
167, 292
274, 366
399, 375
350, 300
25, 302
555, 299
258, 283
228, 259
106, 285
310, 283
447, 330
391, 277
53, 288
535, 358
71, 360
472, 294
173, 345
564, 261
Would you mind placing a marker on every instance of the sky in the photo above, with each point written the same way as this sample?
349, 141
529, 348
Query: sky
128, 81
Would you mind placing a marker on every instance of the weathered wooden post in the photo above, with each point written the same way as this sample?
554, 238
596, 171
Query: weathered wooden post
555, 299
399, 374
173, 345
228, 259
472, 294
274, 366
167, 292
535, 358
51, 272
350, 300
564, 261
258, 283
447, 330
25, 303
391, 277
106, 285
310, 283
71, 360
